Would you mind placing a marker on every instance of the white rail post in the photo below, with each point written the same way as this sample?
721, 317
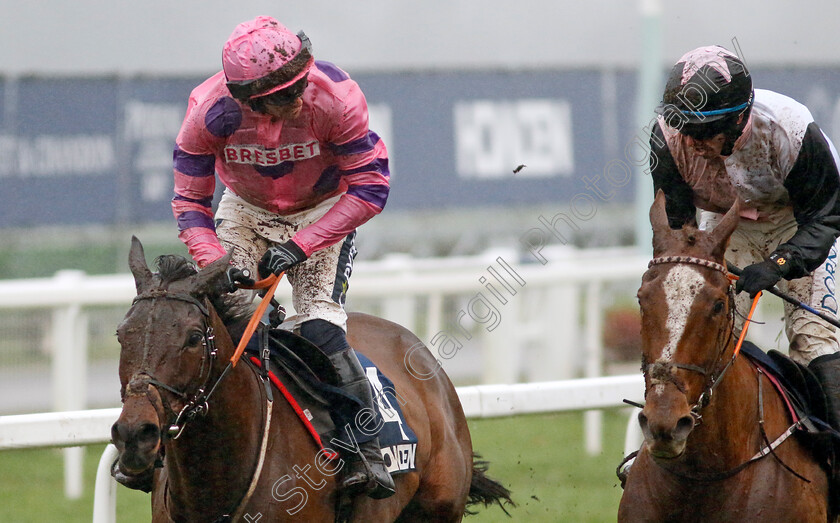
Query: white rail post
400, 308
502, 346
69, 374
633, 436
593, 419
105, 489
559, 331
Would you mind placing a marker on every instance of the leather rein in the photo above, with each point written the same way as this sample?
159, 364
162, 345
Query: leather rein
197, 404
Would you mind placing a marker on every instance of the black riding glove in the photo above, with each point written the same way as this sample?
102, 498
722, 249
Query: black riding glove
761, 276
234, 276
280, 258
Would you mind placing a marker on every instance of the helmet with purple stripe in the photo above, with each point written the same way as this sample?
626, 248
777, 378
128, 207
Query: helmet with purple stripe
262, 57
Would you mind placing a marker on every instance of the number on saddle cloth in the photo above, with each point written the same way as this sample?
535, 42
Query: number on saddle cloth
397, 440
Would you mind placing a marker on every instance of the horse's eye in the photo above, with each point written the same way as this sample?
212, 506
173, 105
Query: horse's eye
718, 308
194, 339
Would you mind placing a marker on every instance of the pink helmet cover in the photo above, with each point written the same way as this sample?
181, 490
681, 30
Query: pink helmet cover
259, 47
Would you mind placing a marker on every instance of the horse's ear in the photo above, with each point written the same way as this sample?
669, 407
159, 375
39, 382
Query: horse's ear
659, 222
719, 237
206, 278
137, 264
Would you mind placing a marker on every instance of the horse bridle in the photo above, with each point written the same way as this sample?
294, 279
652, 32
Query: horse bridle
198, 404
662, 372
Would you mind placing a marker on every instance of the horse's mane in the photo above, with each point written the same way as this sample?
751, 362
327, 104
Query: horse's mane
172, 268
232, 311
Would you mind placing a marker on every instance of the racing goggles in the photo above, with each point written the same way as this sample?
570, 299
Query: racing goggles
704, 131
282, 97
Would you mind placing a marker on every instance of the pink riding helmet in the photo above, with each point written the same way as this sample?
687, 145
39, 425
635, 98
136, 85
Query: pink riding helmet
262, 56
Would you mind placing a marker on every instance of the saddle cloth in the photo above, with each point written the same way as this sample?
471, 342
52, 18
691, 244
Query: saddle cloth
307, 380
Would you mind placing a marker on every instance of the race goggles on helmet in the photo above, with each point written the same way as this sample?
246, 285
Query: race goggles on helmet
730, 123
300, 64
279, 98
706, 85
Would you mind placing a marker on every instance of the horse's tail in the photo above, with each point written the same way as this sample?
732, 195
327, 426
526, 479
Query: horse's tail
485, 490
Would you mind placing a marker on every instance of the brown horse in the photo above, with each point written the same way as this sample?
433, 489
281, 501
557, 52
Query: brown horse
230, 454
707, 413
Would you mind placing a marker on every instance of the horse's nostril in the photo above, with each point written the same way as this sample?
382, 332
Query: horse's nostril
118, 434
684, 426
148, 433
643, 421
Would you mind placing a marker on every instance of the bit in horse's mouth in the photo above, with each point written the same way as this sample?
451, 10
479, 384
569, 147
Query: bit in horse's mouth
129, 468
665, 456
662, 454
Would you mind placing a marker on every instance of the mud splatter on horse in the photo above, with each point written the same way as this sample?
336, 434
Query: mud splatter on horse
232, 459
706, 414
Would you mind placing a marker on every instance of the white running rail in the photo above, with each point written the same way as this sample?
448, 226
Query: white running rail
74, 428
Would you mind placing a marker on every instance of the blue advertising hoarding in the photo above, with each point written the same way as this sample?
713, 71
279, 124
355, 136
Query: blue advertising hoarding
58, 158
99, 150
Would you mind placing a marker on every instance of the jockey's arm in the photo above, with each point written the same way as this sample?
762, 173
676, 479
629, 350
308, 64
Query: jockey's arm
679, 197
813, 184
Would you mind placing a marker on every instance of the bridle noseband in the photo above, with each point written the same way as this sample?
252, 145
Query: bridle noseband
661, 372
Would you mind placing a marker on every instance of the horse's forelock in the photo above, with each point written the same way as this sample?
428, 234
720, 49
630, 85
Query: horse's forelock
172, 268
689, 241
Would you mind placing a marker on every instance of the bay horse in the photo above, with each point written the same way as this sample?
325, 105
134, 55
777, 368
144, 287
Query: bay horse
235, 456
708, 414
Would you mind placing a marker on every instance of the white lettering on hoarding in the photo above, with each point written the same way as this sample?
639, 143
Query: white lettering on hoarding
150, 128
145, 120
492, 137
53, 156
8, 147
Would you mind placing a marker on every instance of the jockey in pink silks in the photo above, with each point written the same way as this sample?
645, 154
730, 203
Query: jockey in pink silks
288, 137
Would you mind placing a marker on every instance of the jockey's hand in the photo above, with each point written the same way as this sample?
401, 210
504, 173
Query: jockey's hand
234, 276
761, 276
280, 258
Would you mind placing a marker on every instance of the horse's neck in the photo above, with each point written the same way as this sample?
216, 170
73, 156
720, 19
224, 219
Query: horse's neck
220, 448
728, 429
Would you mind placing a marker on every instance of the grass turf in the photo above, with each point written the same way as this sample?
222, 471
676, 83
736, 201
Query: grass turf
540, 458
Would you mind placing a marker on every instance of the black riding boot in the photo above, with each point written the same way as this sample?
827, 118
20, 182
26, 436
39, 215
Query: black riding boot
827, 370
366, 469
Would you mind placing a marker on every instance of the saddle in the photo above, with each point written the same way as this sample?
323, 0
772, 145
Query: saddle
305, 376
308, 381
